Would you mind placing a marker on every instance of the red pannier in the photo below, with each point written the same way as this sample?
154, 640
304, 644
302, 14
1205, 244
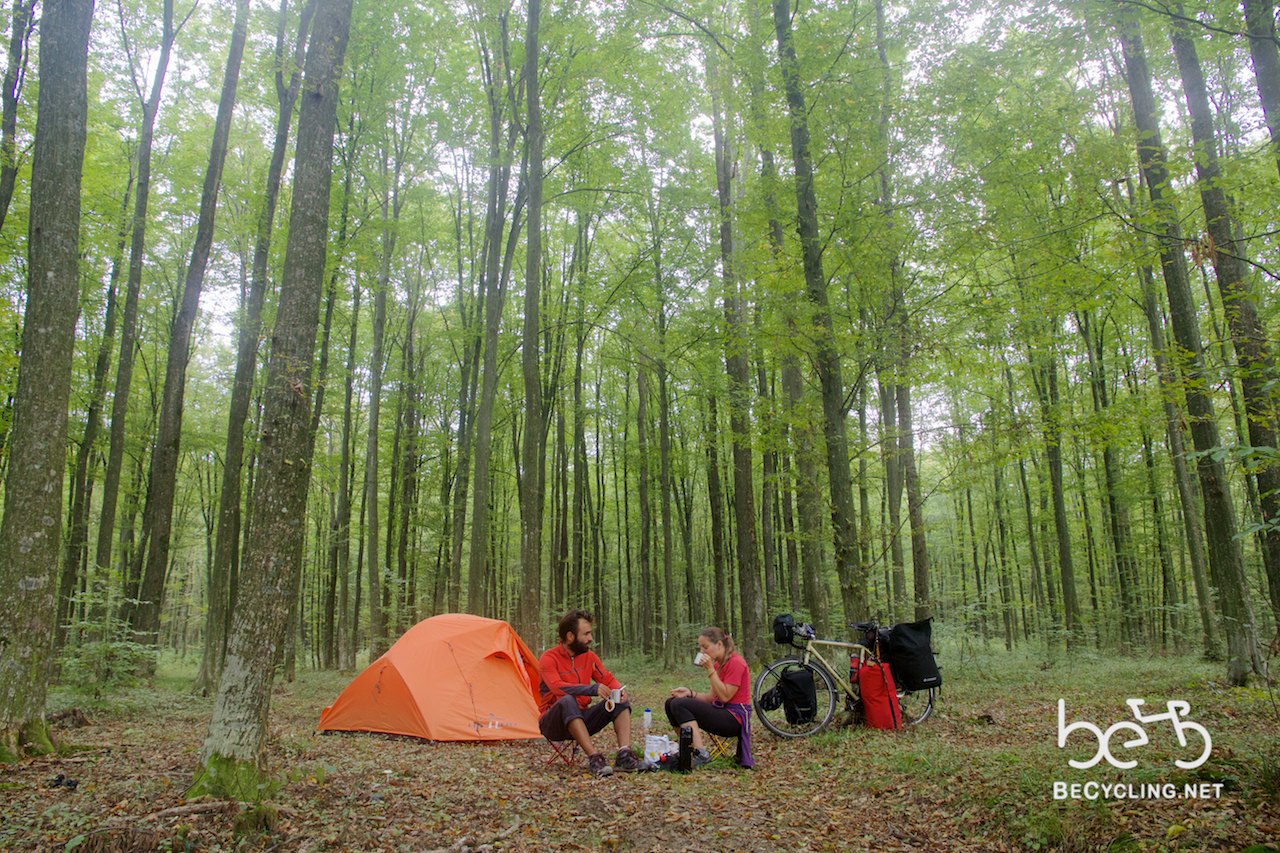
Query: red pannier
879, 695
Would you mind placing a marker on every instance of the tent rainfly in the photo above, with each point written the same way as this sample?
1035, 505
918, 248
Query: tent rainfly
450, 677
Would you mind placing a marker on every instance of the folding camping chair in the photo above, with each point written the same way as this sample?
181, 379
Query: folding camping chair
563, 750
720, 746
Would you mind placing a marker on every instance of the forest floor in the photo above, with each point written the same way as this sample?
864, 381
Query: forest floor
979, 775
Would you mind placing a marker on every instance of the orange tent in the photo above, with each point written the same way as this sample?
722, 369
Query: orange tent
450, 677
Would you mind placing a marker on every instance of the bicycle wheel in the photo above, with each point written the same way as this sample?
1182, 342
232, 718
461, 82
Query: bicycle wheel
916, 705
786, 719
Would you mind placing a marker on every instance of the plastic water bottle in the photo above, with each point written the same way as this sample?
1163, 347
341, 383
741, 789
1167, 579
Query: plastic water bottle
648, 719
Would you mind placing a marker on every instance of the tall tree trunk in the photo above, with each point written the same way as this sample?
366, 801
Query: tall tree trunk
716, 498
1186, 490
807, 486
82, 483
30, 531
226, 546
471, 310
665, 492
671, 613
15, 72
407, 481
1226, 564
348, 617
899, 319
768, 475
162, 483
915, 505
1257, 368
391, 204
1006, 585
890, 452
582, 504
1260, 22
808, 497
1045, 374
129, 320
647, 603
737, 349
1117, 507
231, 760
533, 452
827, 357
494, 282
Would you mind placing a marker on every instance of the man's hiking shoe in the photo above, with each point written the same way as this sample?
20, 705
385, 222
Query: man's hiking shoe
627, 762
701, 758
599, 765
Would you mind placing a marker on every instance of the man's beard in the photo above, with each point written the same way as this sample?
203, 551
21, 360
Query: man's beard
578, 647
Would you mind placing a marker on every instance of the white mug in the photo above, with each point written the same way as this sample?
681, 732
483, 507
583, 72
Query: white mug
615, 695
700, 658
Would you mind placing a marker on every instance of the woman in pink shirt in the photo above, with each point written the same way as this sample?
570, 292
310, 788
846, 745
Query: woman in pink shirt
725, 709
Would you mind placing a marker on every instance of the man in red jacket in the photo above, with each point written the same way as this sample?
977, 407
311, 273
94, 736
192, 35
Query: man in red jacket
571, 675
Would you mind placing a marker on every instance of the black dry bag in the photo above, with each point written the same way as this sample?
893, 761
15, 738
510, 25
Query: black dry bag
910, 654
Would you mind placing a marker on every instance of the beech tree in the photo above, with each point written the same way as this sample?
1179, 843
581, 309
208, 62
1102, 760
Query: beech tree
231, 761
30, 530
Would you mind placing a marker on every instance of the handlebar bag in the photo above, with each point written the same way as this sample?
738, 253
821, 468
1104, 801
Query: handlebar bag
784, 626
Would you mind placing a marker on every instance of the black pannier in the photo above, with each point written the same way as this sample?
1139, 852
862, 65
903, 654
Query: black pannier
908, 650
784, 627
799, 695
770, 700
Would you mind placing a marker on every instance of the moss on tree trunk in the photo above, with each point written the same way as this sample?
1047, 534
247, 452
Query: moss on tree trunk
231, 779
30, 738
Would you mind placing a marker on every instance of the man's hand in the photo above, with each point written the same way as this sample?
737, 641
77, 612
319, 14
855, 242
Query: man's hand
602, 691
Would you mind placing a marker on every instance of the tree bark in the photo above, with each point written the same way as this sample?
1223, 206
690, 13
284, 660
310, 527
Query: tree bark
737, 349
1260, 23
470, 311
1045, 374
1186, 490
232, 758
30, 530
20, 27
1225, 562
671, 619
226, 546
647, 603
807, 563
1256, 366
162, 482
716, 498
533, 452
890, 453
827, 357
495, 284
129, 320
915, 506
81, 483
391, 204
897, 316
1117, 506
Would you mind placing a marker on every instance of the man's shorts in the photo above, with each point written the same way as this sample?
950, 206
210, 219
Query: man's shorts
554, 724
